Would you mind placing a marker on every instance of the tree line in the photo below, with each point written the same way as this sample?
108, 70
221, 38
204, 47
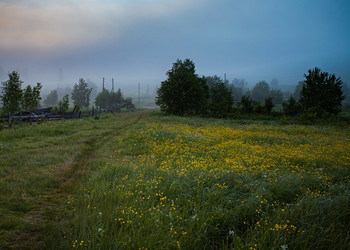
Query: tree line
15, 99
185, 93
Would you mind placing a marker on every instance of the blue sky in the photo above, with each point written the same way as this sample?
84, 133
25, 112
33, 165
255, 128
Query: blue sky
136, 41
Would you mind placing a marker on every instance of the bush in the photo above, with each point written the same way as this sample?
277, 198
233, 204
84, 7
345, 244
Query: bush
309, 116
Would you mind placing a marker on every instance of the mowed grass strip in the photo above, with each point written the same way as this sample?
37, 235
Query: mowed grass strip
195, 183
41, 165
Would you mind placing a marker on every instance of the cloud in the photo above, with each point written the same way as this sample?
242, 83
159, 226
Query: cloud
53, 25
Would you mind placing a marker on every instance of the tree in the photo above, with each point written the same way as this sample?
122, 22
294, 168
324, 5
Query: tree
261, 91
277, 96
102, 99
81, 94
321, 92
26, 98
12, 93
239, 83
297, 90
107, 99
220, 97
183, 93
291, 107
247, 104
63, 105
115, 98
31, 97
94, 88
213, 80
268, 105
51, 99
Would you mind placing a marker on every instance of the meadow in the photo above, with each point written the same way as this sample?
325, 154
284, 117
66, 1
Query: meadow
149, 181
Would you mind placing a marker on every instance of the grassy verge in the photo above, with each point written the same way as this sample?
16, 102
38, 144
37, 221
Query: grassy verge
197, 183
41, 165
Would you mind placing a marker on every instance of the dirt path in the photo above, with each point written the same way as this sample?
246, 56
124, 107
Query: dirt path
48, 216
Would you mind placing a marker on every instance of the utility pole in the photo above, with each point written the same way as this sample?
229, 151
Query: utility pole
147, 92
112, 85
103, 84
139, 95
60, 79
225, 78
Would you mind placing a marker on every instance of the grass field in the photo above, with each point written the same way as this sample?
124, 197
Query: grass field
148, 181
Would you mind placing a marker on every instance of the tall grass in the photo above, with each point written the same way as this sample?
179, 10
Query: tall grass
192, 183
41, 165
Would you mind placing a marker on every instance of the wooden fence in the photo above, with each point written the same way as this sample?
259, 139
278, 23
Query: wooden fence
24, 118
46, 114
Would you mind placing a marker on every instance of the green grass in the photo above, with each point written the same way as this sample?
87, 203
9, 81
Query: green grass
145, 180
41, 165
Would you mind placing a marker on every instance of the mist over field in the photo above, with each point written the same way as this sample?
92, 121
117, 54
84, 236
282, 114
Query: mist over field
174, 124
58, 42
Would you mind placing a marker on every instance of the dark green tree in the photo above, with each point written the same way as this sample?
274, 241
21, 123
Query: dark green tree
183, 93
51, 99
26, 98
112, 100
268, 105
31, 97
107, 99
63, 105
321, 92
12, 93
115, 98
291, 107
102, 99
261, 91
277, 96
81, 94
220, 97
247, 104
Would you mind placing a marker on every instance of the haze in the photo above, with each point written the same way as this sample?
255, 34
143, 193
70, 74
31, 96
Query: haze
133, 41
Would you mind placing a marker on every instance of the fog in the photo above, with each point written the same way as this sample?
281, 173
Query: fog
136, 42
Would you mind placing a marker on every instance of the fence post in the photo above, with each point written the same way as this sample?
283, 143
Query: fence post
10, 119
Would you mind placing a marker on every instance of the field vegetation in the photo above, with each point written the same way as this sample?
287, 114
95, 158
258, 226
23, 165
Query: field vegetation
149, 181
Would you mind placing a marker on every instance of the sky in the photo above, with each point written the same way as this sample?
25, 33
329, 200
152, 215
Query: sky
56, 42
